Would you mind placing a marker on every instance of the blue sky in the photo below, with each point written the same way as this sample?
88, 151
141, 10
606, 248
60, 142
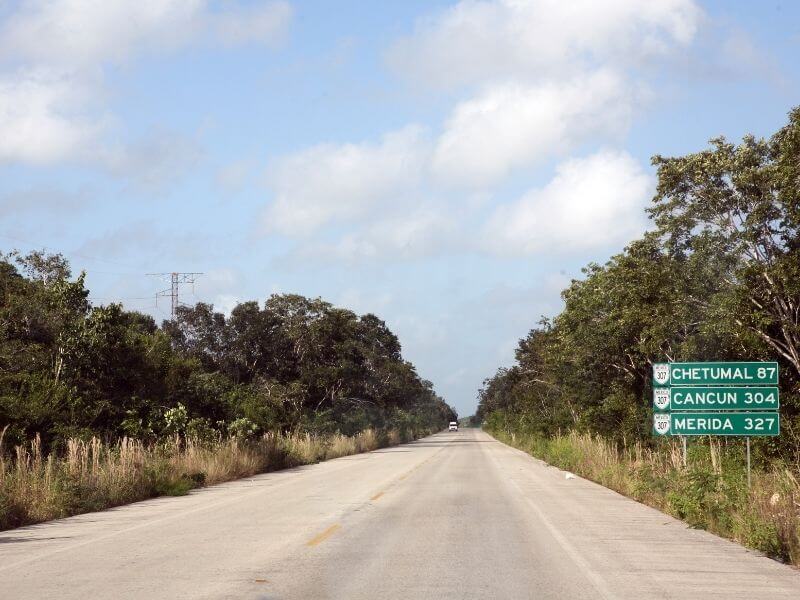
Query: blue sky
448, 166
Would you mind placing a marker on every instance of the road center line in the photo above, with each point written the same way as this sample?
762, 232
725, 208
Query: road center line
419, 465
316, 541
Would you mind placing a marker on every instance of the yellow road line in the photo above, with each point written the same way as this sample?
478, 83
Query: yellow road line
376, 496
315, 541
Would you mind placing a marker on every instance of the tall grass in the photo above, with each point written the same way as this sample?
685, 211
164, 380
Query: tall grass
92, 475
710, 492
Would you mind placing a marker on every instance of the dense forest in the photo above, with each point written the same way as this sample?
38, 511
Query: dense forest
72, 370
717, 277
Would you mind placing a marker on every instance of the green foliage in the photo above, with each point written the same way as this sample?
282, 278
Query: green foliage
92, 475
174, 487
175, 420
200, 430
72, 370
718, 278
241, 428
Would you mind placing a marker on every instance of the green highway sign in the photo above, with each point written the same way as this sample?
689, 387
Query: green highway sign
717, 423
715, 373
715, 398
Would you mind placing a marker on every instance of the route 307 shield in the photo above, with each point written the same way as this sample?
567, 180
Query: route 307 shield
662, 423
662, 398
661, 373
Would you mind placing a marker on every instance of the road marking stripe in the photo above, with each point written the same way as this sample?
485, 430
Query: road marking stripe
315, 541
376, 496
418, 465
577, 558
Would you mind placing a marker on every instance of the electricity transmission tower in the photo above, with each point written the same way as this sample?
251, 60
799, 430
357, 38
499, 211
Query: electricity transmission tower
176, 279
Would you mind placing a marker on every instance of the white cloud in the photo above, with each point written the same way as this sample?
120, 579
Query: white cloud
362, 302
147, 243
153, 160
329, 182
739, 55
44, 199
590, 204
547, 78
478, 40
510, 126
46, 117
219, 281
220, 287
267, 23
43, 116
93, 32
53, 55
88, 32
232, 176
225, 303
418, 233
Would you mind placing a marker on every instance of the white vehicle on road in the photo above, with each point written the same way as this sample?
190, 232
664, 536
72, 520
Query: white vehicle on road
453, 426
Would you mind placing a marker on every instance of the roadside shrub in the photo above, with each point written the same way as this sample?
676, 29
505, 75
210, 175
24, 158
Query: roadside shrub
91, 475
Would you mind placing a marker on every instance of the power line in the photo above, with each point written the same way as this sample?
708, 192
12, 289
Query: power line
176, 280
116, 298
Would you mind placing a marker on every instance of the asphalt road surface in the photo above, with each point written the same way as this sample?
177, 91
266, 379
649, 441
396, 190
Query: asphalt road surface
455, 515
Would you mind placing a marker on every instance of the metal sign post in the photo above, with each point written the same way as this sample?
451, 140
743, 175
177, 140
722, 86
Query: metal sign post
683, 444
747, 439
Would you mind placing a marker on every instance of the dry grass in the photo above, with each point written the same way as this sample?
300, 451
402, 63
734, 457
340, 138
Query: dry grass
710, 492
92, 475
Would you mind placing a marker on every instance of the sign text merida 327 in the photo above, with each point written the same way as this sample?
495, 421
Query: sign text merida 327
717, 423
715, 373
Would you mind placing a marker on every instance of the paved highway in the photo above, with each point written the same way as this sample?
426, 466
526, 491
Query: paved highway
456, 515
